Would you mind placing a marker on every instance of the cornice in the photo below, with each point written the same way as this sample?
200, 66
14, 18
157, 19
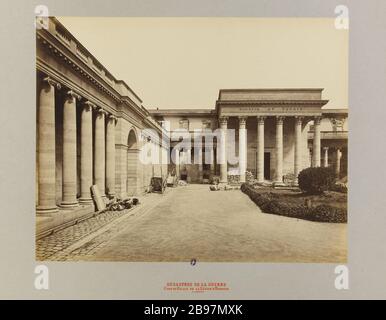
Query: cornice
46, 69
61, 52
272, 102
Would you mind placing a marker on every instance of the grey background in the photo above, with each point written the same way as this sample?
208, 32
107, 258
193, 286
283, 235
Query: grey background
367, 156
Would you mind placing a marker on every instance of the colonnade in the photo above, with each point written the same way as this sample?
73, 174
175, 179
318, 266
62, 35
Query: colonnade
278, 179
97, 160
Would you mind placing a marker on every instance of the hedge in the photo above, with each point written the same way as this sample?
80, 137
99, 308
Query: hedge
316, 180
269, 203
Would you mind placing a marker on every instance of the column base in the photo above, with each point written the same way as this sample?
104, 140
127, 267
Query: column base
85, 201
278, 184
45, 210
69, 204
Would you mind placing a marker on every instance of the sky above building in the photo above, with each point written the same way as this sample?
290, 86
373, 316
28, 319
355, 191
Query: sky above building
184, 62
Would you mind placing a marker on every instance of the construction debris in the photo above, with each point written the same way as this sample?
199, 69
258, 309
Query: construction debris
182, 183
119, 205
219, 187
99, 202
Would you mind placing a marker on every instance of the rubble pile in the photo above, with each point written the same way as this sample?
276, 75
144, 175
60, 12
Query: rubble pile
219, 187
119, 204
182, 183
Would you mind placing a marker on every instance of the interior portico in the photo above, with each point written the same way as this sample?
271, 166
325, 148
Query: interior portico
271, 126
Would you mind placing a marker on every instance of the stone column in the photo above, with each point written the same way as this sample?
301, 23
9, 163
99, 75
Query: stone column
201, 159
298, 148
212, 161
279, 150
316, 143
223, 150
260, 149
46, 203
86, 153
69, 151
99, 151
110, 155
337, 165
325, 157
177, 159
242, 148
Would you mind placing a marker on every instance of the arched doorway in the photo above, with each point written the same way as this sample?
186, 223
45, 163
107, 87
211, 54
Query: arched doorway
132, 163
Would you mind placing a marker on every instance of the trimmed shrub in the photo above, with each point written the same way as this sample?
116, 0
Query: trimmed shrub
316, 180
270, 203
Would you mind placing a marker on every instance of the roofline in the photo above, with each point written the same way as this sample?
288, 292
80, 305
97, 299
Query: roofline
55, 19
271, 89
181, 111
267, 89
270, 102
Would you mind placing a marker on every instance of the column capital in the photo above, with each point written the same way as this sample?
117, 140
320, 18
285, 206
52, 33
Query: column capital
299, 119
325, 148
112, 117
89, 105
100, 111
71, 94
317, 120
280, 119
261, 119
223, 120
52, 82
242, 121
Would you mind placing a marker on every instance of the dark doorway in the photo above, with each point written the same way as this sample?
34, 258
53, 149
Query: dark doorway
267, 166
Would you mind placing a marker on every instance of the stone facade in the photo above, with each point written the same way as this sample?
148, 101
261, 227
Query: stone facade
89, 128
276, 132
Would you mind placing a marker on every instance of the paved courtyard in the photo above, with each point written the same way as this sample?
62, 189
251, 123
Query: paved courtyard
192, 222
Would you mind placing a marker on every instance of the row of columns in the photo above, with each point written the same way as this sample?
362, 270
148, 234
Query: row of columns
104, 150
278, 179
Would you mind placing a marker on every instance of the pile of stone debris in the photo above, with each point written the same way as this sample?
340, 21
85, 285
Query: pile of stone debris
182, 183
225, 187
118, 204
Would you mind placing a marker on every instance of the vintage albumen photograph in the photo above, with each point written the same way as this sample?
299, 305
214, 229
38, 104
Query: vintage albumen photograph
191, 140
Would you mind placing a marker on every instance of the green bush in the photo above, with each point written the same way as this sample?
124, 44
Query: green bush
271, 203
316, 180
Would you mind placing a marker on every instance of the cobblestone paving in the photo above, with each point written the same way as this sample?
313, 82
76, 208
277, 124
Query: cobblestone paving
193, 222
222, 226
85, 238
58, 241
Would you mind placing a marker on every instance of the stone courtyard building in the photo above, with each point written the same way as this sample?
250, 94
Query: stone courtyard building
276, 132
92, 126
